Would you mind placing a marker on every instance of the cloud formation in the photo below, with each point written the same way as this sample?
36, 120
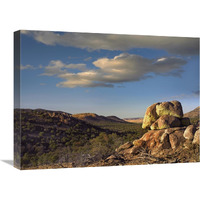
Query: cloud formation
122, 68
23, 67
57, 67
94, 41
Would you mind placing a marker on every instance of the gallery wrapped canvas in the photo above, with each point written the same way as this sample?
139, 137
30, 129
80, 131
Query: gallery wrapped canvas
88, 99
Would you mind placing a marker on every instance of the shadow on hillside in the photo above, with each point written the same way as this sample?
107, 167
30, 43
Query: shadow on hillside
10, 162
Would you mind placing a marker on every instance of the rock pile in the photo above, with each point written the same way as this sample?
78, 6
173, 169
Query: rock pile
164, 115
171, 138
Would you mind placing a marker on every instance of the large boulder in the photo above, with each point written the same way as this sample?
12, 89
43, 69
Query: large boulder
158, 141
189, 132
150, 116
173, 141
157, 110
166, 121
172, 108
196, 137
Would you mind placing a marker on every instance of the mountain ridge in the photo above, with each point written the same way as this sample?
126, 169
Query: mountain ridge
93, 117
193, 113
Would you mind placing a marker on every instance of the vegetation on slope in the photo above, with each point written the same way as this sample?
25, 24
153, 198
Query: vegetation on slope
49, 138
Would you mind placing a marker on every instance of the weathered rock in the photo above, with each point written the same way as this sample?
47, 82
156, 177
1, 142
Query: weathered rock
152, 140
185, 121
196, 137
111, 157
173, 141
138, 143
172, 108
160, 146
132, 150
124, 146
150, 116
189, 132
158, 141
164, 140
157, 110
166, 121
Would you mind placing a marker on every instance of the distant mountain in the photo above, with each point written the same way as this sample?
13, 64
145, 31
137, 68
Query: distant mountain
94, 118
193, 114
133, 120
114, 118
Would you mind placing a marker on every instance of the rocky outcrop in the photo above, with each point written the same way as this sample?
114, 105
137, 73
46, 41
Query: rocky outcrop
164, 115
171, 138
159, 146
157, 141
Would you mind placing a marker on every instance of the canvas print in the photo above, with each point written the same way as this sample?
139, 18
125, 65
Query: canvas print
89, 99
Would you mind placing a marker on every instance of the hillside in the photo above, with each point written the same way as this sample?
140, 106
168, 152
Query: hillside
134, 120
54, 138
94, 118
116, 119
111, 123
194, 113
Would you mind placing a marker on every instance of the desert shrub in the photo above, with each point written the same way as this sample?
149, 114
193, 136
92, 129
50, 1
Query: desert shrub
41, 134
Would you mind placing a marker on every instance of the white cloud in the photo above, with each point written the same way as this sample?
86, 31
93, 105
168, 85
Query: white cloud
94, 41
57, 67
161, 59
23, 67
120, 69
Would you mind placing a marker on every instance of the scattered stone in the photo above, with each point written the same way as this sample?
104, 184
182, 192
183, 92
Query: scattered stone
138, 142
132, 150
124, 146
111, 157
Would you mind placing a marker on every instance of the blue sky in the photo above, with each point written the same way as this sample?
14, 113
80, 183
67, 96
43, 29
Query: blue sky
107, 74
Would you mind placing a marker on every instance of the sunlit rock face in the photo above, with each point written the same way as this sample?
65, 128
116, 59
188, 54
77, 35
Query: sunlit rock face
164, 115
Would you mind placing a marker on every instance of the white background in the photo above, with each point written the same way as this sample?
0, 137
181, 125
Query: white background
155, 17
